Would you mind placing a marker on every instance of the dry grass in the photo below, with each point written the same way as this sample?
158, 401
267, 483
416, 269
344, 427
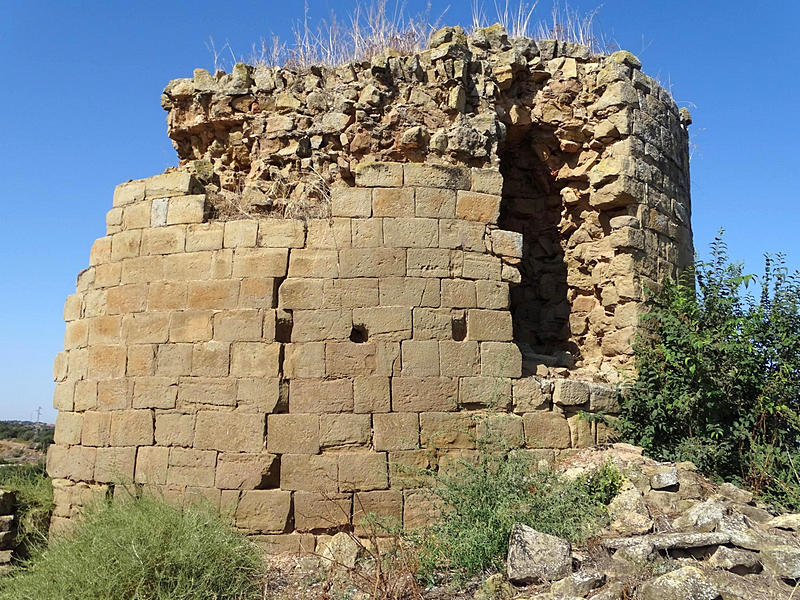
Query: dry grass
374, 29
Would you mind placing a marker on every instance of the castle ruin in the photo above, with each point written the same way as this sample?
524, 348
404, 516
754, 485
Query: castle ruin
355, 272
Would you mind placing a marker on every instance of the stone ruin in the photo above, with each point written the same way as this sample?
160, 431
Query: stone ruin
356, 271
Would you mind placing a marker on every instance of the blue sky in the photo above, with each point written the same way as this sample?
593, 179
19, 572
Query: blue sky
80, 114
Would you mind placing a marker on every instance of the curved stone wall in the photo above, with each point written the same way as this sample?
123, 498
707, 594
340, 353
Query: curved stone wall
297, 371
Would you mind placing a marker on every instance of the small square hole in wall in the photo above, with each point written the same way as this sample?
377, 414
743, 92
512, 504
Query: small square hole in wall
359, 334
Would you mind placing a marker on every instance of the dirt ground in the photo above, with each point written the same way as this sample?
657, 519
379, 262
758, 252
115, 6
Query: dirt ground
19, 453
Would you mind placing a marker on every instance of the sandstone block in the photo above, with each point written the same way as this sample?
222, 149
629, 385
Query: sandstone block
492, 294
507, 243
207, 390
344, 430
489, 325
238, 325
312, 262
346, 359
173, 359
114, 465
350, 293
281, 233
429, 262
462, 235
372, 262
363, 471
351, 202
570, 393
264, 510
68, 428
501, 359
76, 334
262, 262
163, 296
367, 233
546, 429
107, 362
240, 234
487, 181
190, 326
320, 396
145, 328
531, 394
113, 394
474, 206
393, 202
411, 232
420, 358
458, 359
417, 394
288, 433
164, 240
481, 266
186, 209
458, 293
396, 431
300, 293
255, 359
447, 430
437, 176
379, 174
229, 431
74, 462
191, 266
320, 512
127, 299
290, 543
435, 202
125, 244
388, 322
333, 233
236, 471
493, 392
319, 325
100, 252
409, 291
435, 323
155, 392
151, 465
174, 183
96, 428
505, 428
304, 360
174, 429
581, 432
309, 473
261, 395
73, 307
127, 193
214, 294
191, 467
603, 398
204, 236
386, 504
371, 394
132, 428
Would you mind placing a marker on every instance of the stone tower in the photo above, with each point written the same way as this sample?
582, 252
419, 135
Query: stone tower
355, 272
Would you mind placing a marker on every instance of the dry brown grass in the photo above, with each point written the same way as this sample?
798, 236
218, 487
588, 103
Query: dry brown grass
374, 29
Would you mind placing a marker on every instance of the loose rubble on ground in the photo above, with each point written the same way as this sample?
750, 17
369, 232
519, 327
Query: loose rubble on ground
672, 535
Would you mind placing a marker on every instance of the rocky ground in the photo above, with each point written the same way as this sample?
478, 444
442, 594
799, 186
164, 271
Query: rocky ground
12, 452
673, 535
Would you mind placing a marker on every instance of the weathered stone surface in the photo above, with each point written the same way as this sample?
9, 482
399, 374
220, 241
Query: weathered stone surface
686, 583
535, 557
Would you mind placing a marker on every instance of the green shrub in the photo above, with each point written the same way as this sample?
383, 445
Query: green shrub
719, 376
34, 492
481, 503
142, 549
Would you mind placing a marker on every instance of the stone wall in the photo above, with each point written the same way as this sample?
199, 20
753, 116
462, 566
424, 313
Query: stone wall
294, 359
8, 529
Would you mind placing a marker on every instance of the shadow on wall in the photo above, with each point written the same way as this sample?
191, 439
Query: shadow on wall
531, 205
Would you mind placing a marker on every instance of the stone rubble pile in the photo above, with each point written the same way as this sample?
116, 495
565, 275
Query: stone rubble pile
673, 536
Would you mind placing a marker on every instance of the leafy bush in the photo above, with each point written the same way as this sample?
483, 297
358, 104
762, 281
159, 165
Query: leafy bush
34, 501
22, 431
142, 549
719, 376
482, 502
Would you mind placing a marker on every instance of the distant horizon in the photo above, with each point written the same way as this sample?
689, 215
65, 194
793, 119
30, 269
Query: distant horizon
87, 117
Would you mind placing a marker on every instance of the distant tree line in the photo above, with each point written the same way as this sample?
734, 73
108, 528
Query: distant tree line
24, 431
